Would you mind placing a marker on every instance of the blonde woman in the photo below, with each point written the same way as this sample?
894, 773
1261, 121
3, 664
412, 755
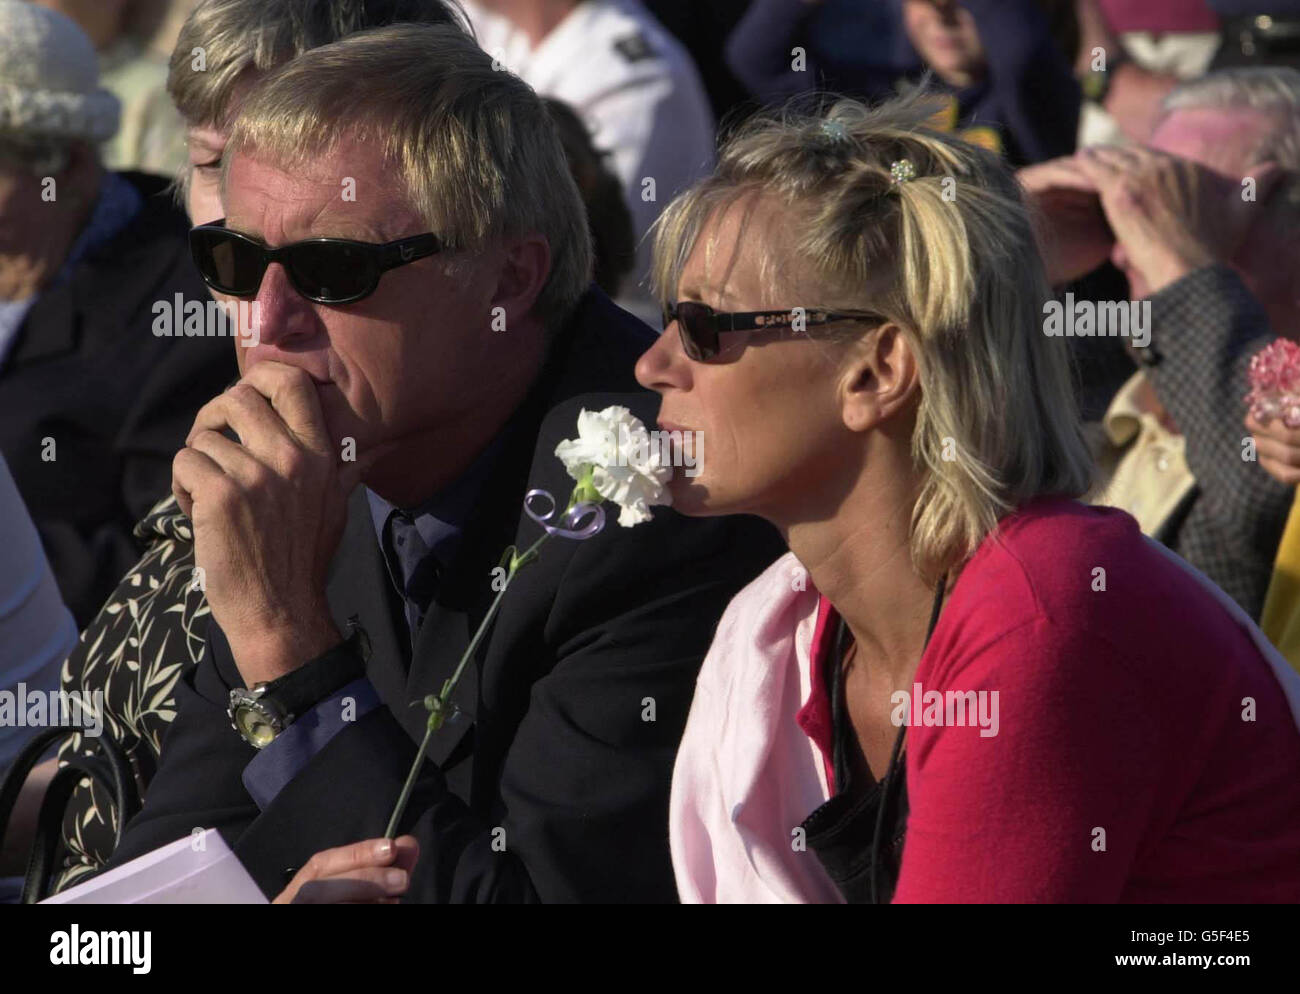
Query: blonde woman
962, 684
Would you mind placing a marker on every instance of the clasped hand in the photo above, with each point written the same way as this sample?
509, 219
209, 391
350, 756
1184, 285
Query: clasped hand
267, 512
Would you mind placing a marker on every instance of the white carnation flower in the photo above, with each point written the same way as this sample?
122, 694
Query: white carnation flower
625, 468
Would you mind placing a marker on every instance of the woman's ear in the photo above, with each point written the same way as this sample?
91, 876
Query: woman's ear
880, 379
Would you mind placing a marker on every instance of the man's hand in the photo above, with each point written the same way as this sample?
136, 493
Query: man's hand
374, 872
1170, 215
1072, 232
1278, 448
267, 512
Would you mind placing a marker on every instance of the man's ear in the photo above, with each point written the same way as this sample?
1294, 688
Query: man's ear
881, 379
525, 265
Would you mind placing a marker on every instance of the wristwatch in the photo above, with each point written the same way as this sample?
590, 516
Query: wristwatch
261, 712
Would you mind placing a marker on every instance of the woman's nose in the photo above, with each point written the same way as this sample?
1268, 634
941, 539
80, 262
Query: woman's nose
664, 365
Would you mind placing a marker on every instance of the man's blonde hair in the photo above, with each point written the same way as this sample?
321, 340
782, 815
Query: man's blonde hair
472, 145
949, 257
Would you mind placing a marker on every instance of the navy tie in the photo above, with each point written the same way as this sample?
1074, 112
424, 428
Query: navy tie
413, 567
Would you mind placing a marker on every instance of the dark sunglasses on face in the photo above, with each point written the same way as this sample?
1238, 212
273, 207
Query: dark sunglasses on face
700, 325
325, 270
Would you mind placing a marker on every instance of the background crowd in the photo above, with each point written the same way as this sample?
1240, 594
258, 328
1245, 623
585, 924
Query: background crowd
1157, 143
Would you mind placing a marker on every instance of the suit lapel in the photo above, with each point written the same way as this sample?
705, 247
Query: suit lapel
442, 641
465, 590
358, 587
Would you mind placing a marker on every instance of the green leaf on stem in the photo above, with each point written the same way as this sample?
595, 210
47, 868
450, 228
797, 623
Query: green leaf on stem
517, 564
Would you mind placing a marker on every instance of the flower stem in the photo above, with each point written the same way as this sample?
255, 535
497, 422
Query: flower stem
438, 713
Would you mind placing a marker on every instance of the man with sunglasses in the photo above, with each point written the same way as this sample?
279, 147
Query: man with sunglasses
431, 338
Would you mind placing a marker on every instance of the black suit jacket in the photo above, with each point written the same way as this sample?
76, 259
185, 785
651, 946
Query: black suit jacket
87, 371
574, 705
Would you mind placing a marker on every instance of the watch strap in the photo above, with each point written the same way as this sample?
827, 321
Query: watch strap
316, 680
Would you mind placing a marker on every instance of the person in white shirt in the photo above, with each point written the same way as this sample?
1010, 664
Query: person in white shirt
633, 84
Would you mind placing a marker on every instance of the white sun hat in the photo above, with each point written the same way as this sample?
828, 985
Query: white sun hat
49, 78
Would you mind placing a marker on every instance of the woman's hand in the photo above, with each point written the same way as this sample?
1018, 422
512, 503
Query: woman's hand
1278, 449
377, 871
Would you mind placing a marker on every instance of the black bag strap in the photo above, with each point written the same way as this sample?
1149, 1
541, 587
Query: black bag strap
111, 769
49, 823
21, 768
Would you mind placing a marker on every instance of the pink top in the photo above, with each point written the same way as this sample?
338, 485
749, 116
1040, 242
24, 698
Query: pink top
815, 717
1160, 16
1146, 749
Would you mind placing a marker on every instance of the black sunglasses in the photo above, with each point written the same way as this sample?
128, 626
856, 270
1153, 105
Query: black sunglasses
700, 325
326, 270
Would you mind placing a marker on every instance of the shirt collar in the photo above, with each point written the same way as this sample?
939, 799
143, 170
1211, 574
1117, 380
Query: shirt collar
1123, 418
117, 204
440, 520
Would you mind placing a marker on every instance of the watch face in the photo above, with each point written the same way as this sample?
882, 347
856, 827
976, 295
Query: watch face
256, 723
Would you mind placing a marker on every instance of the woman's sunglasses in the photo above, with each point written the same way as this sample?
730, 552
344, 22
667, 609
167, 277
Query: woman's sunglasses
700, 325
326, 270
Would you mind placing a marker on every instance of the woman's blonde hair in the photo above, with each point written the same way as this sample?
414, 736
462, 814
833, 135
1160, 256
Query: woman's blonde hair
948, 255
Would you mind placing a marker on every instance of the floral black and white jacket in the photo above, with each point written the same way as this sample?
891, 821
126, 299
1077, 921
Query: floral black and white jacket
151, 630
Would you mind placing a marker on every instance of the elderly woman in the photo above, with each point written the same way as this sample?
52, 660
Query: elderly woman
961, 684
93, 401
125, 34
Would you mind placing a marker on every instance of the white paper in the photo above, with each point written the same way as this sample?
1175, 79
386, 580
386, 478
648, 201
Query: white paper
198, 869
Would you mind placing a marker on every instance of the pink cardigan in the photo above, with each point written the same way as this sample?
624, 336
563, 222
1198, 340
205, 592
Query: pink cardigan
1147, 746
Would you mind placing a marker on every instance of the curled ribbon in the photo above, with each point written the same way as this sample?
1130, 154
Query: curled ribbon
570, 523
